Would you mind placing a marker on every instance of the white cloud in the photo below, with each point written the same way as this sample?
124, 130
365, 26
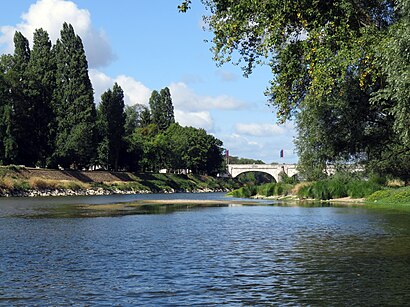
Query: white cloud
260, 148
241, 146
186, 99
195, 119
137, 92
134, 91
50, 15
262, 129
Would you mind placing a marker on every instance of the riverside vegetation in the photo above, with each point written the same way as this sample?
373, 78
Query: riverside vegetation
21, 181
48, 117
340, 70
373, 190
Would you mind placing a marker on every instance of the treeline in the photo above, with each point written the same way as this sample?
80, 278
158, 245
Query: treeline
48, 117
340, 70
238, 160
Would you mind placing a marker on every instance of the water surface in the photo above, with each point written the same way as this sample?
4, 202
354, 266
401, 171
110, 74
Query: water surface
238, 255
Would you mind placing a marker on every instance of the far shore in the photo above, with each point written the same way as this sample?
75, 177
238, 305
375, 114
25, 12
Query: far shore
294, 198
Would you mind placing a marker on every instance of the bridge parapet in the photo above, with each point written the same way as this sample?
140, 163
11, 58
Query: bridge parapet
272, 169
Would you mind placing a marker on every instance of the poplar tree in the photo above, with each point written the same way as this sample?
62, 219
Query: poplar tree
155, 106
20, 131
73, 103
162, 109
6, 139
41, 73
146, 118
167, 107
3, 126
111, 122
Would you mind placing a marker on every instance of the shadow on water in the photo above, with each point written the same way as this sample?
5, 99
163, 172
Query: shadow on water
112, 210
140, 207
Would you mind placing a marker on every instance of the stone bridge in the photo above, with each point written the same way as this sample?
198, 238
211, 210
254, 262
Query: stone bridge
272, 169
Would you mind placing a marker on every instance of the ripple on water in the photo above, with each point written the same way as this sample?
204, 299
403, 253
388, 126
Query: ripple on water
212, 256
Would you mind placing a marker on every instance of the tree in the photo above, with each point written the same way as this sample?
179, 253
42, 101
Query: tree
191, 148
111, 127
41, 73
339, 67
168, 117
20, 141
146, 118
73, 103
133, 117
8, 144
162, 110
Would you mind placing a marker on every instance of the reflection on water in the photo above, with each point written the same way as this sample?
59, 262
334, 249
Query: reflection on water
259, 255
71, 205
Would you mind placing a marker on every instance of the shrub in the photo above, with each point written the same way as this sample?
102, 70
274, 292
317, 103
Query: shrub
7, 183
302, 189
246, 191
361, 188
21, 185
395, 183
391, 196
320, 190
41, 183
74, 185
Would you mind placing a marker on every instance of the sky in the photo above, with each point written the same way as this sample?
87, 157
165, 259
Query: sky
147, 45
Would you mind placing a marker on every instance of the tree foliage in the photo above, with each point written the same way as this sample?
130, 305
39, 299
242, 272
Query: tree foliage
73, 102
111, 127
162, 109
41, 74
48, 117
340, 68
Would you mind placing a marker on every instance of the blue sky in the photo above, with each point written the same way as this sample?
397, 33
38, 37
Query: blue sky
147, 45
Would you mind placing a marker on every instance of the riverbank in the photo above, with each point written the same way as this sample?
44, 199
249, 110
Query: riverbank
31, 182
331, 191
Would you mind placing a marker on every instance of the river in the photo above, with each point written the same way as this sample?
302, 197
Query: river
233, 255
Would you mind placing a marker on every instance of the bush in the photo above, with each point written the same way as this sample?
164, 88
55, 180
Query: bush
337, 188
74, 185
391, 196
320, 190
41, 183
361, 188
7, 183
246, 192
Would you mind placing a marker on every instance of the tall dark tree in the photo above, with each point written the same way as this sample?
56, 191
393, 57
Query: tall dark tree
146, 118
20, 108
73, 103
3, 125
168, 117
155, 106
111, 123
7, 142
41, 74
162, 109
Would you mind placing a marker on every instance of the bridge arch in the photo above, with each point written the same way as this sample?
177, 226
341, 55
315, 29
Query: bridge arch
271, 174
272, 169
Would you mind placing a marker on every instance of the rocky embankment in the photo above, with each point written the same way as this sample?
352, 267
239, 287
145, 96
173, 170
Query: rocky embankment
92, 192
31, 182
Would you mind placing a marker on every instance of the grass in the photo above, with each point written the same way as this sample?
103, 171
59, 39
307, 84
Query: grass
12, 179
398, 196
266, 190
338, 187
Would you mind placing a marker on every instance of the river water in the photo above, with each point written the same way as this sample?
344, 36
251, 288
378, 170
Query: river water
233, 255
